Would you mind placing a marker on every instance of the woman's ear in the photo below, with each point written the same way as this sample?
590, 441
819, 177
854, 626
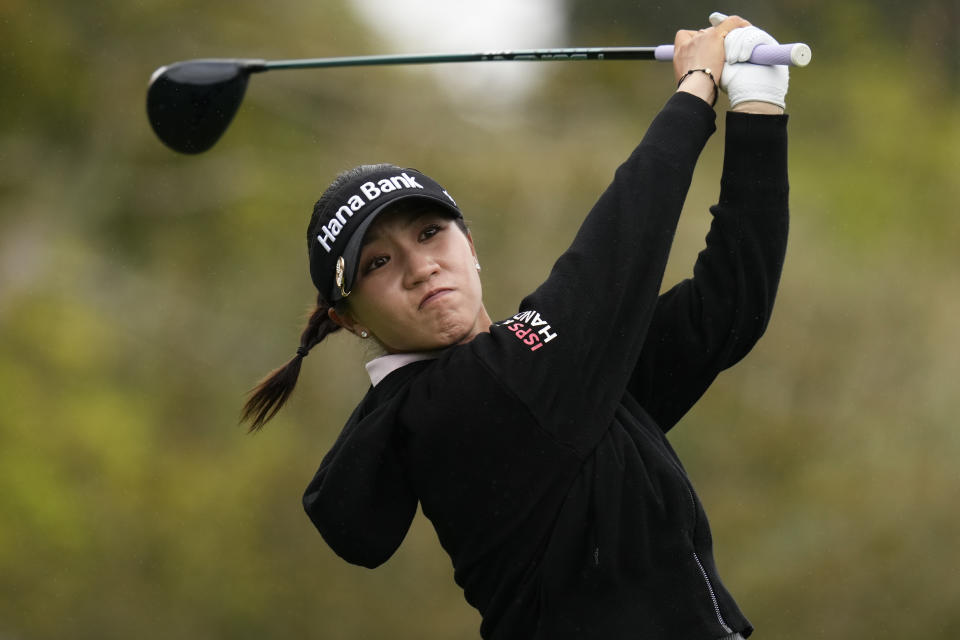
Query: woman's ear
346, 320
473, 249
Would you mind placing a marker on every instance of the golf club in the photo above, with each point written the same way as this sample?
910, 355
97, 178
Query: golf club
190, 104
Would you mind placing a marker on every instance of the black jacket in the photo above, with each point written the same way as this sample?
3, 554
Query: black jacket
538, 450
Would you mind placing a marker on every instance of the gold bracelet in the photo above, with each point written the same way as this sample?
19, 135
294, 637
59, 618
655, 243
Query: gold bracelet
716, 89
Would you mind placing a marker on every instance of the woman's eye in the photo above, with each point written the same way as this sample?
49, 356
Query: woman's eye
430, 231
377, 262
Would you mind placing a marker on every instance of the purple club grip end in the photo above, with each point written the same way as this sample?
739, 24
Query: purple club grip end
796, 54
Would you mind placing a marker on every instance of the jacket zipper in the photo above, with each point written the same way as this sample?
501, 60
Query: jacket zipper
713, 596
696, 557
703, 572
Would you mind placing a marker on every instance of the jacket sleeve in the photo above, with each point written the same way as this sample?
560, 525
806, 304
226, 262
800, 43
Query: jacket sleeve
569, 352
359, 499
709, 322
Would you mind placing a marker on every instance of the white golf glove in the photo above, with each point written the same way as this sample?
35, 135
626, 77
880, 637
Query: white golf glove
744, 81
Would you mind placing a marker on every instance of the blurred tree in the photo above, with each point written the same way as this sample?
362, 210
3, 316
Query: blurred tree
142, 292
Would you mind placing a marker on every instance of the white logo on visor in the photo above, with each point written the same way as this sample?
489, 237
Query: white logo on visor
369, 191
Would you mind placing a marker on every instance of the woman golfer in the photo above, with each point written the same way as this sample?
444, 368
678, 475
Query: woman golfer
536, 444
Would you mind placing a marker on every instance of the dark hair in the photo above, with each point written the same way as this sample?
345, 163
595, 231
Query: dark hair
273, 391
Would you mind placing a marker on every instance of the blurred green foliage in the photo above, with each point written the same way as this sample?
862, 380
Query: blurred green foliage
143, 292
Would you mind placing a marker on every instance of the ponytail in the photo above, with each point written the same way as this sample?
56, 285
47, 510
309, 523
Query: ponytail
271, 393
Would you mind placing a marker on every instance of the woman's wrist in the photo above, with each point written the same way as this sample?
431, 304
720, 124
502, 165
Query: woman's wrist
756, 106
701, 85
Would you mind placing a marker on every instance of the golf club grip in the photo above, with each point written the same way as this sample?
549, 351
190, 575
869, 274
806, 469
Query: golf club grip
795, 54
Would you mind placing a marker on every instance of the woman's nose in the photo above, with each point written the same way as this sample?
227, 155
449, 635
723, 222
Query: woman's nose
420, 267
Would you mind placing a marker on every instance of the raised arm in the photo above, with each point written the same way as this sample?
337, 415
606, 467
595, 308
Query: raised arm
709, 322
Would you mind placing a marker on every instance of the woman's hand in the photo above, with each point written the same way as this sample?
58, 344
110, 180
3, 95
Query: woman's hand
753, 88
703, 49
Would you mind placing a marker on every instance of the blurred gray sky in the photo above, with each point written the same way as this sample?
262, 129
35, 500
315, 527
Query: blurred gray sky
428, 26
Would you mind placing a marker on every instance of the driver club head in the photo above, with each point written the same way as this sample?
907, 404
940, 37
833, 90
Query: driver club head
190, 104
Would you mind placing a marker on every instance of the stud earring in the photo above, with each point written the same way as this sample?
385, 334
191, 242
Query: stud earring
478, 266
364, 334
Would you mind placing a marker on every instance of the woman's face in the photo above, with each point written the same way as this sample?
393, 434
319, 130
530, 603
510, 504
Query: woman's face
417, 286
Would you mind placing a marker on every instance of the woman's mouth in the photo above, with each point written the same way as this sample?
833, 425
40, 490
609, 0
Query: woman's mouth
433, 295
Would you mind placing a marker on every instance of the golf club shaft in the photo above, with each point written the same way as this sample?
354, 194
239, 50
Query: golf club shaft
796, 54
607, 53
